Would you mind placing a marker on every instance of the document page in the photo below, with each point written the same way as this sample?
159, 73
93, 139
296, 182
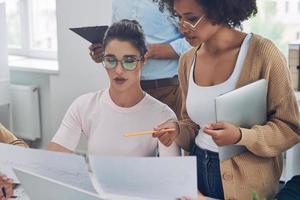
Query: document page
145, 177
67, 168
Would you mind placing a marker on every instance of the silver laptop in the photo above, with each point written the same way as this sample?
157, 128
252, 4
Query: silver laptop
42, 188
243, 107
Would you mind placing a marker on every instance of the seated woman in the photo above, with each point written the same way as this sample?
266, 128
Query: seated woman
105, 116
6, 184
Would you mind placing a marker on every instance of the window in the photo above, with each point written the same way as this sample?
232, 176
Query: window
31, 26
273, 23
14, 23
286, 7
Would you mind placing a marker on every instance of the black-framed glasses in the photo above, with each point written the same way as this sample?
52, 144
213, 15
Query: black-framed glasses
128, 63
187, 25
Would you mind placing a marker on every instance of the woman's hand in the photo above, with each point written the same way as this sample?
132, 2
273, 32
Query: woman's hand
164, 136
96, 52
223, 133
6, 187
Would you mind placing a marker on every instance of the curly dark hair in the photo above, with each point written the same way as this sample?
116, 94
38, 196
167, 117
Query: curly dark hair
223, 12
127, 30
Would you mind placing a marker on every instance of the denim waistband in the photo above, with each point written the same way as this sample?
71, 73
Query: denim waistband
204, 152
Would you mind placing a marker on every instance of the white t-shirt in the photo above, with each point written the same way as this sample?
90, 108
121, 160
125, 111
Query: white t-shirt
201, 99
104, 123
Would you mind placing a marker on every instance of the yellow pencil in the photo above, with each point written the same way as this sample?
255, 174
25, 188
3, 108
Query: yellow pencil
146, 132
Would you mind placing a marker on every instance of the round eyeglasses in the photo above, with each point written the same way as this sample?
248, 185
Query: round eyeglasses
128, 63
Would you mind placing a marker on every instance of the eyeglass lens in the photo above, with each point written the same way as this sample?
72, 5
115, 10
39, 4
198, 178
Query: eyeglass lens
128, 63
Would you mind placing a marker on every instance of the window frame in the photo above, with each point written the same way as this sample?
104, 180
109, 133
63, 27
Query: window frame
26, 36
287, 7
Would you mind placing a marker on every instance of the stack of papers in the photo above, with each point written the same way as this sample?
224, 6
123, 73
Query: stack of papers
68, 168
110, 177
147, 177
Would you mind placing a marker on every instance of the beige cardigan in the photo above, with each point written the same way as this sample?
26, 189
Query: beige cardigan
260, 168
7, 137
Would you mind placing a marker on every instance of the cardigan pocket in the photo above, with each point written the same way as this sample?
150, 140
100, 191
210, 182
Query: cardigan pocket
258, 174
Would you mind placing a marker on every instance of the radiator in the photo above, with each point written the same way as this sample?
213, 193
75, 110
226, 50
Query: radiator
25, 112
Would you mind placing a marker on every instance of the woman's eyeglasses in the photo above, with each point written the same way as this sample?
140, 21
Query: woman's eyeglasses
187, 25
128, 63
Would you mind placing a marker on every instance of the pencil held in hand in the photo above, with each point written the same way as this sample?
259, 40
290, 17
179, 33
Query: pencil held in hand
147, 132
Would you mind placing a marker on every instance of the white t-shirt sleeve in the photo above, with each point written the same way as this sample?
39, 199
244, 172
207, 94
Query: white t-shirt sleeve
174, 149
70, 130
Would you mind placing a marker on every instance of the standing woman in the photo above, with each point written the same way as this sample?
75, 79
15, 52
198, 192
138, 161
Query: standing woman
223, 59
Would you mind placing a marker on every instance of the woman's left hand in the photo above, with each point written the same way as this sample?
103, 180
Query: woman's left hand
223, 133
6, 187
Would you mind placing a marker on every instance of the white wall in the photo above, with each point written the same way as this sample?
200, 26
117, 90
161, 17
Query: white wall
4, 71
78, 73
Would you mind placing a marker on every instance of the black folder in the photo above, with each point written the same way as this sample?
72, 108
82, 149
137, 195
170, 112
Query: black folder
93, 34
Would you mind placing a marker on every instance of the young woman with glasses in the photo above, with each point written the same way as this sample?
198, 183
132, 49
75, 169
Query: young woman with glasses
105, 116
224, 58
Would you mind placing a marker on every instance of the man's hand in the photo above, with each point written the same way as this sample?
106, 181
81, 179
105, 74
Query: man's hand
96, 52
223, 133
160, 51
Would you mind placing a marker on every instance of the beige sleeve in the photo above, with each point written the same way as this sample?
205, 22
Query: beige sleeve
282, 129
7, 137
188, 129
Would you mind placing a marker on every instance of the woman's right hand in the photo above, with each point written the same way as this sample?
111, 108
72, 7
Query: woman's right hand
164, 134
96, 52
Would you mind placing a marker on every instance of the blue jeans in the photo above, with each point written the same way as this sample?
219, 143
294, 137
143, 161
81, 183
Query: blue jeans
208, 172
